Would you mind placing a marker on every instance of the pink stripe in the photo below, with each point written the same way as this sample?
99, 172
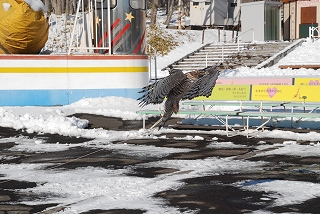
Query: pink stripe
255, 81
71, 57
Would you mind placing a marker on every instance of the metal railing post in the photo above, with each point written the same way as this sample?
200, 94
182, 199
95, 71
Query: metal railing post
222, 53
109, 27
238, 44
155, 65
150, 69
73, 30
252, 35
206, 59
155, 62
310, 32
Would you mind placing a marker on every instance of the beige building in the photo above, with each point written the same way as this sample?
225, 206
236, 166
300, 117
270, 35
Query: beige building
298, 16
260, 20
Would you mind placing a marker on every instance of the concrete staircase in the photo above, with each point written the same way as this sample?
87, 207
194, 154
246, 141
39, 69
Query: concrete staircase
254, 55
208, 55
229, 56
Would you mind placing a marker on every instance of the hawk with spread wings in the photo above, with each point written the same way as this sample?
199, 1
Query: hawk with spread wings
178, 86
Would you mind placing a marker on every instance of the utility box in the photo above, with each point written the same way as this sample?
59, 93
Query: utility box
208, 12
261, 21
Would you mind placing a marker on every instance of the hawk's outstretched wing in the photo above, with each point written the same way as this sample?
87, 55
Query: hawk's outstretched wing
156, 92
204, 85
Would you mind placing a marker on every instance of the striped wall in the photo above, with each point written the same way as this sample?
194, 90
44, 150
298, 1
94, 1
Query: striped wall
63, 79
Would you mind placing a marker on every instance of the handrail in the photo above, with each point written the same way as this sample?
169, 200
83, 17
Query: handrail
74, 27
155, 61
237, 37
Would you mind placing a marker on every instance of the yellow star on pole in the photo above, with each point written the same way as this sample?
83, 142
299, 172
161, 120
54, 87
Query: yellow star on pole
129, 16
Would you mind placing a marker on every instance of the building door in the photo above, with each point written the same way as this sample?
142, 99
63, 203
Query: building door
272, 23
308, 19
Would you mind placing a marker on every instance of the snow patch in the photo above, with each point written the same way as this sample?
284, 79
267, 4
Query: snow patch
36, 5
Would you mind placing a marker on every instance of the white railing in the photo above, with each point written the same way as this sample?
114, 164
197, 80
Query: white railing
239, 36
238, 43
312, 31
154, 61
83, 30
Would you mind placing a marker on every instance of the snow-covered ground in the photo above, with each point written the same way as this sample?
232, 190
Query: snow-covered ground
107, 189
97, 188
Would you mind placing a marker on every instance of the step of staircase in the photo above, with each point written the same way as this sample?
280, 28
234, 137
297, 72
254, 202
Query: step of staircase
191, 68
206, 59
230, 56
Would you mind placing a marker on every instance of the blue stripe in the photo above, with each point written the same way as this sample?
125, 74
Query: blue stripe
59, 97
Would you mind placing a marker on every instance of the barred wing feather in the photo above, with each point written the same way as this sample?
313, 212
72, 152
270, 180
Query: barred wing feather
156, 92
204, 85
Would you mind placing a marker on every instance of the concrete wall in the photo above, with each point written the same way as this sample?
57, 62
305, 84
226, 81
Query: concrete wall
252, 17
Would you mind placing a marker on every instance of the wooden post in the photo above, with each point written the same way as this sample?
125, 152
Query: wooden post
233, 34
203, 36
179, 15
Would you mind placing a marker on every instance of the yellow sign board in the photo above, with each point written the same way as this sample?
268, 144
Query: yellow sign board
286, 93
229, 92
307, 81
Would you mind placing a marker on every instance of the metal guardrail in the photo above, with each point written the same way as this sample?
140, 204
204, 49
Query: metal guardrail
79, 26
238, 43
312, 31
155, 62
239, 36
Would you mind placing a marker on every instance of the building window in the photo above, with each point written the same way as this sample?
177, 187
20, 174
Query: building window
138, 4
247, 1
113, 3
